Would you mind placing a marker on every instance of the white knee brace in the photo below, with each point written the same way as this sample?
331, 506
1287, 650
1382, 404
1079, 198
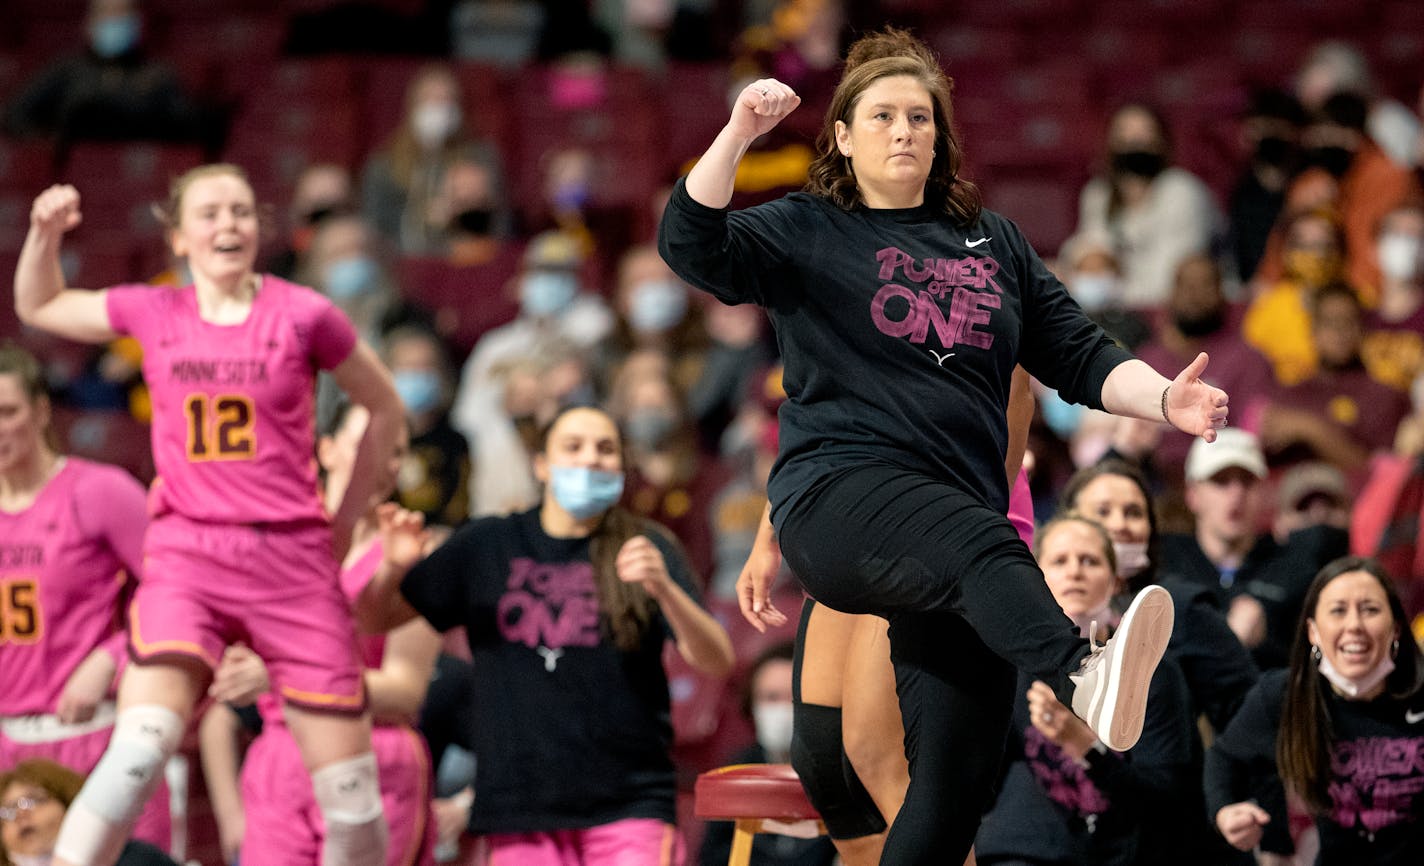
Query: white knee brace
348, 794
102, 815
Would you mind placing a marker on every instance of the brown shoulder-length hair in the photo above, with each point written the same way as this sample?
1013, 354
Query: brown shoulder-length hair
880, 55
1117, 467
1306, 736
627, 608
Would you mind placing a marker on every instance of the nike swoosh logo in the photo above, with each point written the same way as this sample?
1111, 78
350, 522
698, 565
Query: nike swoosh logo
940, 359
1413, 718
973, 244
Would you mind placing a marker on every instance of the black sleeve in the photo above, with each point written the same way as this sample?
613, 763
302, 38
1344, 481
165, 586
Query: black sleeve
436, 587
1157, 770
1241, 764
1218, 669
740, 257
1062, 347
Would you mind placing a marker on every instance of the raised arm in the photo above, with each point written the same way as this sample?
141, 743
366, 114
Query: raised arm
759, 107
1135, 390
42, 299
380, 607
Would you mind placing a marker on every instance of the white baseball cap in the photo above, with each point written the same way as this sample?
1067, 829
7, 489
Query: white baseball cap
1233, 448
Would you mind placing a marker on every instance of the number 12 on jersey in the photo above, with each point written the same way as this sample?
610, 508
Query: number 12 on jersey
220, 427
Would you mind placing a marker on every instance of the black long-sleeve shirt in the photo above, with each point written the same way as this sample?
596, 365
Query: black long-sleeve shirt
899, 331
1119, 809
1375, 816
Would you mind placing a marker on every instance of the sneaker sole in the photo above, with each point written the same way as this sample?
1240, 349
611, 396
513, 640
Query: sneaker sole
1141, 638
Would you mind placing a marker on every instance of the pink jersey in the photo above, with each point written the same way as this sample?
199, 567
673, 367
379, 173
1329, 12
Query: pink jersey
234, 405
62, 567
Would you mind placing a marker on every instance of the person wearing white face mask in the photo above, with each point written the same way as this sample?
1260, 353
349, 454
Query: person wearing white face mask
1217, 669
1341, 729
112, 90
567, 608
1064, 799
1393, 348
434, 477
401, 180
766, 701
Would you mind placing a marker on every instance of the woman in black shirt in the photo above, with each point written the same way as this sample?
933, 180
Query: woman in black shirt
901, 308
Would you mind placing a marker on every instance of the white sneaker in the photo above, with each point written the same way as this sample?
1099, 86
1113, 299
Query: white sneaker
1110, 689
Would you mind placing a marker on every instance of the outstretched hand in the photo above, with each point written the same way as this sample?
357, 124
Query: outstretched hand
1192, 405
56, 210
761, 106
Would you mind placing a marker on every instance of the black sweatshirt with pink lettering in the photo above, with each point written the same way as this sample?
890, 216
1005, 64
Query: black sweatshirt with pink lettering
1376, 787
899, 331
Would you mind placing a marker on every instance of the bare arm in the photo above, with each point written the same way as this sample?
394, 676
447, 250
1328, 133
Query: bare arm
1135, 390
368, 383
218, 749
397, 689
701, 640
42, 299
1020, 418
759, 107
380, 607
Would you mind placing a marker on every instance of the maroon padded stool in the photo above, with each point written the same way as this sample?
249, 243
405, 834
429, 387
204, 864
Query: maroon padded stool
752, 795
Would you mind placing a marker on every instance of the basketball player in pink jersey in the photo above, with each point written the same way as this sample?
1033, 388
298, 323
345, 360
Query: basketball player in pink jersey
283, 824
240, 547
63, 564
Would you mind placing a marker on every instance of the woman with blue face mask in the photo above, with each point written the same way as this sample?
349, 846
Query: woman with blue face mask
566, 607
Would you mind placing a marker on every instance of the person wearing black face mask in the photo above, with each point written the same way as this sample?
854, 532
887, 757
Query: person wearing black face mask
1156, 213
1371, 184
1271, 129
1199, 318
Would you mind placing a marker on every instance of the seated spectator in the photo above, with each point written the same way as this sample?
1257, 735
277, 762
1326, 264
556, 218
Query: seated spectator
1271, 129
402, 178
766, 702
1155, 212
1093, 275
112, 90
34, 797
669, 480
1370, 184
1277, 322
1257, 581
656, 313
468, 214
558, 316
321, 191
1337, 730
521, 395
348, 262
434, 476
1340, 414
1198, 318
1393, 350
1064, 798
1311, 494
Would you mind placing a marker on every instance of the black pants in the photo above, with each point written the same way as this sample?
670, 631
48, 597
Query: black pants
967, 605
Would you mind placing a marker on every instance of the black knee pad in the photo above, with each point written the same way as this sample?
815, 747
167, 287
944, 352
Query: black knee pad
818, 755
